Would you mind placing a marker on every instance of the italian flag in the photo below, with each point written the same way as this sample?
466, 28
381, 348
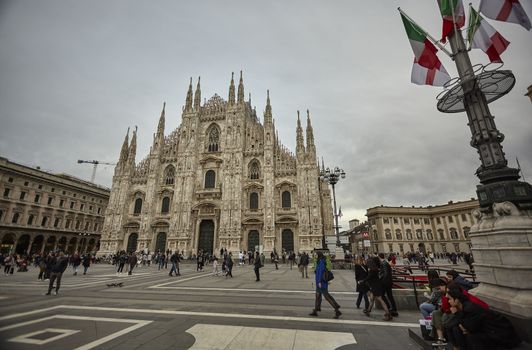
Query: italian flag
505, 11
427, 69
483, 36
447, 9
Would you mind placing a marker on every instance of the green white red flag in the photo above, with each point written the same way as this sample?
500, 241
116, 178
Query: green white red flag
448, 9
427, 68
483, 36
505, 11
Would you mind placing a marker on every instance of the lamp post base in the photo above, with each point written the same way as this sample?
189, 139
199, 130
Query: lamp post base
502, 247
339, 253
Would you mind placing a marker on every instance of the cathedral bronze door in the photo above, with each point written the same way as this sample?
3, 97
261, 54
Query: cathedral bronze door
206, 236
287, 237
253, 240
160, 243
132, 242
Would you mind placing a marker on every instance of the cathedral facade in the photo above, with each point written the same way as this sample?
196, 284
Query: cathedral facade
222, 179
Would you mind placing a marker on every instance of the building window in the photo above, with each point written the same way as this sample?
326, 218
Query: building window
37, 198
407, 221
464, 217
90, 208
450, 218
71, 205
68, 223
444, 247
44, 221
411, 247
386, 220
409, 234
390, 248
430, 236
87, 226
77, 225
398, 234
254, 200
83, 197
138, 206
53, 189
388, 233
169, 176
213, 136
81, 207
64, 192
50, 200
454, 234
26, 183
466, 231
375, 235
416, 221
99, 210
75, 194
30, 219
40, 187
456, 247
286, 200
10, 179
440, 233
165, 207
56, 222
15, 218
6, 192
254, 170
419, 234
395, 221
61, 203
401, 248
95, 227
210, 179
22, 196
426, 221
438, 221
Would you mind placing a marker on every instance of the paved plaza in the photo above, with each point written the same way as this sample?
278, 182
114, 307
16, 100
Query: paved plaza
193, 311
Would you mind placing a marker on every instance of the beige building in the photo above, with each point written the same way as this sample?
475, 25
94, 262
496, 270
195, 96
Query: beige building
41, 211
222, 179
440, 228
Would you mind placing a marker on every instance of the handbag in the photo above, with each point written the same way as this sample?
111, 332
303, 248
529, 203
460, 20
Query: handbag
327, 275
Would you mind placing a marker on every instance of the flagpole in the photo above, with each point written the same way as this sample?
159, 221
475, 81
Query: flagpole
455, 30
436, 42
477, 19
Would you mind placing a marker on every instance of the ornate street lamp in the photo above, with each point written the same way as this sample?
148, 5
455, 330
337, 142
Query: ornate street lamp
332, 177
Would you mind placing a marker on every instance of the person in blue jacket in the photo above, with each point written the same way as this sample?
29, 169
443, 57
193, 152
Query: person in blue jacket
322, 288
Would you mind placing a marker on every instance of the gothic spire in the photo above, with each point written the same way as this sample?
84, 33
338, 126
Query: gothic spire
188, 103
241, 89
268, 110
300, 146
124, 152
197, 96
310, 135
133, 147
232, 90
160, 127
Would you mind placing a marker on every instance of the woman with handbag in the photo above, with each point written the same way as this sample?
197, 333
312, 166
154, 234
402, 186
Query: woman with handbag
376, 288
322, 287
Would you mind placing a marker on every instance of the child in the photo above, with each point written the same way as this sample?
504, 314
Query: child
215, 271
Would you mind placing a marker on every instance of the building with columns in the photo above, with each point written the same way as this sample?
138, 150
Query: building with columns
222, 179
440, 228
41, 211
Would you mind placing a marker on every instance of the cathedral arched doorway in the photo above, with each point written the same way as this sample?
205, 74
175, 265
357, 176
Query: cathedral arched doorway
132, 242
206, 236
253, 240
8, 242
287, 239
23, 244
160, 242
36, 246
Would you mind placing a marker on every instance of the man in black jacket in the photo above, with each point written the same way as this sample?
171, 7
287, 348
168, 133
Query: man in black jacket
385, 275
58, 264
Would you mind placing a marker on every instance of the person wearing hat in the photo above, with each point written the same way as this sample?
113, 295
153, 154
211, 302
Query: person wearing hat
322, 288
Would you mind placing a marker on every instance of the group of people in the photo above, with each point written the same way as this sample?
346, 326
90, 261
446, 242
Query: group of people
461, 318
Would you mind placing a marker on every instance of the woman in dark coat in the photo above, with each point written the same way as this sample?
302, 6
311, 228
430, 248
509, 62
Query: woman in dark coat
376, 288
361, 273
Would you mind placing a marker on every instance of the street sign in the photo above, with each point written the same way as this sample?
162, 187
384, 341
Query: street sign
367, 243
344, 240
330, 240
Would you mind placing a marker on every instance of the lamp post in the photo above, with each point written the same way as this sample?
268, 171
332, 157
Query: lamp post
332, 177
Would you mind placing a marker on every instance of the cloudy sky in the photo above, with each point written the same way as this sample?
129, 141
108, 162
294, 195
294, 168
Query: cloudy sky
75, 74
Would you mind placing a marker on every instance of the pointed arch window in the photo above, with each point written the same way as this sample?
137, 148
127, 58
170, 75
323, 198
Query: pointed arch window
138, 206
165, 207
169, 175
254, 170
210, 179
213, 139
254, 200
286, 199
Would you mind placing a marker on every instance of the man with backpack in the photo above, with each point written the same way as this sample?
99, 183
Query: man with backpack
175, 264
303, 263
385, 275
58, 266
323, 277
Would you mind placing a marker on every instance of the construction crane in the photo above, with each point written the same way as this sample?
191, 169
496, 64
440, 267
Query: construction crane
95, 162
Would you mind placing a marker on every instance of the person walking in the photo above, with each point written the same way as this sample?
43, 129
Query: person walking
361, 274
162, 259
386, 277
76, 261
376, 288
59, 265
199, 261
174, 259
132, 260
86, 262
257, 265
322, 288
276, 260
122, 258
303, 263
229, 264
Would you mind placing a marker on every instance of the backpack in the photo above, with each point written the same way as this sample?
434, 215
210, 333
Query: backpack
327, 275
